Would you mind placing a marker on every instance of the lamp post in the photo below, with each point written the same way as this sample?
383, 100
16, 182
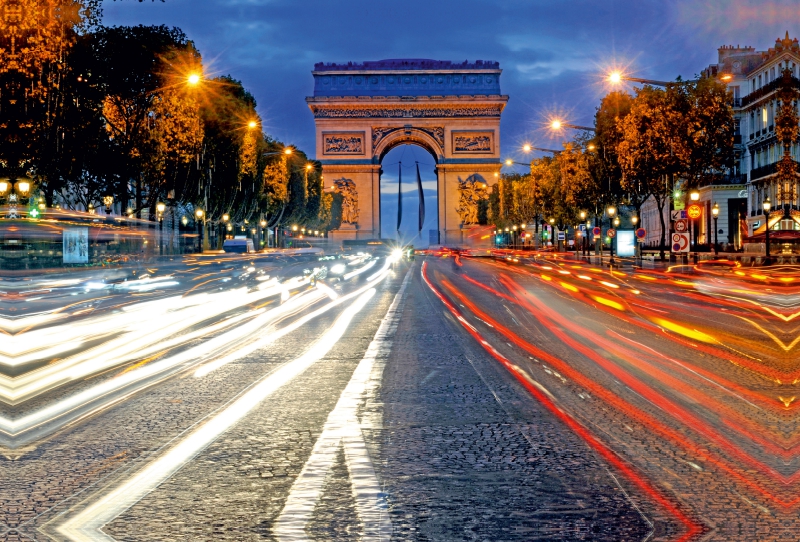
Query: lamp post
637, 247
160, 208
715, 214
767, 206
553, 234
199, 214
694, 196
611, 211
514, 237
585, 236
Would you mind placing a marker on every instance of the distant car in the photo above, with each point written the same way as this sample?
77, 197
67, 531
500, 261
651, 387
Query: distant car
238, 246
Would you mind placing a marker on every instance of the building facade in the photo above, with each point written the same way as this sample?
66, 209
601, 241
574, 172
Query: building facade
754, 78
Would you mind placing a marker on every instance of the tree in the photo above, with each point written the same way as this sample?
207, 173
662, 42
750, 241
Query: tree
650, 133
705, 129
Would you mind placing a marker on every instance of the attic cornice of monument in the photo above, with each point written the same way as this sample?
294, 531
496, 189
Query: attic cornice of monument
391, 100
409, 72
406, 65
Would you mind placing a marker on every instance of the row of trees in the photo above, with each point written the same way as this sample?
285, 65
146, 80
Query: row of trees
645, 145
90, 111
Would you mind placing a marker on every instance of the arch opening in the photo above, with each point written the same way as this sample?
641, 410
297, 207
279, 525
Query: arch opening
403, 156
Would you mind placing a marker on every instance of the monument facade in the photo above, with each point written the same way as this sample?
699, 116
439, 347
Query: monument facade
362, 111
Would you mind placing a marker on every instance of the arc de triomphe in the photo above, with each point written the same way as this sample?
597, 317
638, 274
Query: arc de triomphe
362, 111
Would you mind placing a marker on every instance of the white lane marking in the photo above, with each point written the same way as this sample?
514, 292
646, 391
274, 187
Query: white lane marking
86, 525
343, 429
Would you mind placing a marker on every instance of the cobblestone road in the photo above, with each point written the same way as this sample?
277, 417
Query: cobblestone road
458, 446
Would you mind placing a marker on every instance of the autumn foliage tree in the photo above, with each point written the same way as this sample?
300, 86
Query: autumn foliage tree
92, 111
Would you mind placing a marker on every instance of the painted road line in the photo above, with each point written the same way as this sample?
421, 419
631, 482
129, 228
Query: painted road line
344, 430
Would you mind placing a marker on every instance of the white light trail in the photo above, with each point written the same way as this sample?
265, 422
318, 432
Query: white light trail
86, 525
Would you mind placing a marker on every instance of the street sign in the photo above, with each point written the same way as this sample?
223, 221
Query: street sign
641, 233
582, 227
680, 242
677, 215
681, 226
562, 236
596, 231
611, 232
678, 204
694, 211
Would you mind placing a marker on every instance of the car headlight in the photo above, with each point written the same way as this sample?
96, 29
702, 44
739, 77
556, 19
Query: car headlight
338, 269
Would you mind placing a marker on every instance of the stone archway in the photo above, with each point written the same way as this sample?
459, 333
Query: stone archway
361, 111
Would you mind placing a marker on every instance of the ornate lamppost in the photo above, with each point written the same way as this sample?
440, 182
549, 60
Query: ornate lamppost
715, 214
160, 208
767, 205
199, 213
611, 211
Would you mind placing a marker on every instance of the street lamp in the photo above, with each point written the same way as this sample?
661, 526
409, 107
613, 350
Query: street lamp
611, 211
767, 206
108, 201
694, 195
199, 214
715, 214
558, 124
160, 208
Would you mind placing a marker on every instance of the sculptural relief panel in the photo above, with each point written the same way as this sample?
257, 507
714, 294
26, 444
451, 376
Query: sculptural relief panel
347, 188
343, 143
473, 142
471, 192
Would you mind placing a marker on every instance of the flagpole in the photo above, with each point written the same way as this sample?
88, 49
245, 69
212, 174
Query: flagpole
399, 196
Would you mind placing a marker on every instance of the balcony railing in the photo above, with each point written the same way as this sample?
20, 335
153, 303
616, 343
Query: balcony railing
766, 89
769, 169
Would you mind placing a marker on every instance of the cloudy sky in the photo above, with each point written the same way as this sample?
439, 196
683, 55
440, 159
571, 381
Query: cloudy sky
553, 53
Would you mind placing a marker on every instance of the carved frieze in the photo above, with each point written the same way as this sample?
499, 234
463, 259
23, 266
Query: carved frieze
473, 142
333, 112
343, 143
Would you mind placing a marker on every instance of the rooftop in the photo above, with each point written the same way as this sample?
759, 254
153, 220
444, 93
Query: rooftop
408, 64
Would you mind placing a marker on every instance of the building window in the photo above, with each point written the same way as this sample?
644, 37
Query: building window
759, 81
764, 116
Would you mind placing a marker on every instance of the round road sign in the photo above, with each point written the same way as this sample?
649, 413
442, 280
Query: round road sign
681, 226
641, 233
596, 231
694, 211
611, 232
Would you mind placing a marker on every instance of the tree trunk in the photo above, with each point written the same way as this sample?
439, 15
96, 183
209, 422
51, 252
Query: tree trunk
662, 244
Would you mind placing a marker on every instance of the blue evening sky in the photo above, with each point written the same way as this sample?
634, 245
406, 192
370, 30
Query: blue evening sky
553, 53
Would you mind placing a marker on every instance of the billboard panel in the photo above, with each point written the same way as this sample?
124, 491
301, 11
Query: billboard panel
76, 245
626, 243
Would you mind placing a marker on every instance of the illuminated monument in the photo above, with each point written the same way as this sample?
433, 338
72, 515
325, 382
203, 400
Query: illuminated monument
452, 110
